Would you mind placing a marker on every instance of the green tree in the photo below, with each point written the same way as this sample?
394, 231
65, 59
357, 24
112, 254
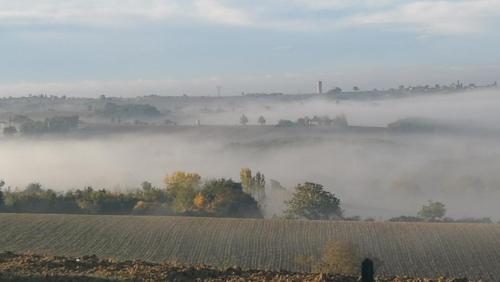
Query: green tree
243, 119
432, 211
311, 201
225, 198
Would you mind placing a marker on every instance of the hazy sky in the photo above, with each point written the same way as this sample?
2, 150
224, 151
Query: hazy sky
170, 47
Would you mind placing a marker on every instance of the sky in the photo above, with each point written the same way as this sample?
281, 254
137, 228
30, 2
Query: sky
175, 47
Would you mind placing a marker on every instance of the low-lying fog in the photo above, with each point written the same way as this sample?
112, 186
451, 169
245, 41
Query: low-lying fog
477, 108
376, 174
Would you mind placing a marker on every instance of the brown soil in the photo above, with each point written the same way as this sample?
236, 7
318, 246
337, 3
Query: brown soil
31, 268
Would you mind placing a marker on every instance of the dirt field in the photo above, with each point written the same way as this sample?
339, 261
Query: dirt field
411, 249
29, 267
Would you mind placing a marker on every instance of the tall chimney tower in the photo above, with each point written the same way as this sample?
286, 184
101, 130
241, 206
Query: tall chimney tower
320, 87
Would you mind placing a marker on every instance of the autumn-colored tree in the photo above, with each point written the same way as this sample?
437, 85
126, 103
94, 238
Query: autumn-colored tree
199, 201
181, 187
253, 185
246, 180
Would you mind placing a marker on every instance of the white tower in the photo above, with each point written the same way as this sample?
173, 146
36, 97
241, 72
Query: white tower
320, 87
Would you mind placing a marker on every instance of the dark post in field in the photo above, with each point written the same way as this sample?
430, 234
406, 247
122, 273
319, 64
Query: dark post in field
367, 270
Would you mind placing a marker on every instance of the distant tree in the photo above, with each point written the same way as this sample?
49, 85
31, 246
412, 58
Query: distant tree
2, 183
259, 186
181, 187
262, 120
404, 218
32, 127
243, 119
285, 123
432, 211
146, 186
355, 88
10, 130
311, 201
33, 188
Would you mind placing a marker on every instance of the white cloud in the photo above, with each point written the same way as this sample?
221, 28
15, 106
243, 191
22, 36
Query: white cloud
434, 17
88, 12
216, 12
424, 17
338, 4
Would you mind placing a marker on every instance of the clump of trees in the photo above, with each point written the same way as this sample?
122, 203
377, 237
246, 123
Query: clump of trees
184, 194
338, 121
9, 130
435, 212
221, 197
114, 110
56, 124
311, 201
253, 185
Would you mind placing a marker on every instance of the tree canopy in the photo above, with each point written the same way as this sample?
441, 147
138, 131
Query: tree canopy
311, 201
432, 211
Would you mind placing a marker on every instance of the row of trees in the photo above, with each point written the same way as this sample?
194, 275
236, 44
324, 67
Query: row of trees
436, 212
244, 120
56, 124
119, 111
339, 121
184, 194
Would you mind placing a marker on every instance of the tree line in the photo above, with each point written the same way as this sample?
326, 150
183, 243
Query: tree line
28, 126
187, 194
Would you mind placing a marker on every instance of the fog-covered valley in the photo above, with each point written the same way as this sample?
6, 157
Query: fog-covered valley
377, 172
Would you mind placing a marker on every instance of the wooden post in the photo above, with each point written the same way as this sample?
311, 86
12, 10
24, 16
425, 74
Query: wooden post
367, 271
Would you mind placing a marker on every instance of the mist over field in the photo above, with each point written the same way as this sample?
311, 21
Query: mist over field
376, 174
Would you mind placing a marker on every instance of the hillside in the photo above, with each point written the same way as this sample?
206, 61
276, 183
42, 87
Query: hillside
413, 249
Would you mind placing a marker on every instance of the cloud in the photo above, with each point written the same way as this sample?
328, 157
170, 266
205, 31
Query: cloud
423, 17
214, 11
433, 17
89, 12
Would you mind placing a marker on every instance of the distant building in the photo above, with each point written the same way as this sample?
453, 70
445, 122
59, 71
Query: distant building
320, 87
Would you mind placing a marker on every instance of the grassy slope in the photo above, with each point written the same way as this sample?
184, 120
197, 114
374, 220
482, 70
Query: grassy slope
413, 249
